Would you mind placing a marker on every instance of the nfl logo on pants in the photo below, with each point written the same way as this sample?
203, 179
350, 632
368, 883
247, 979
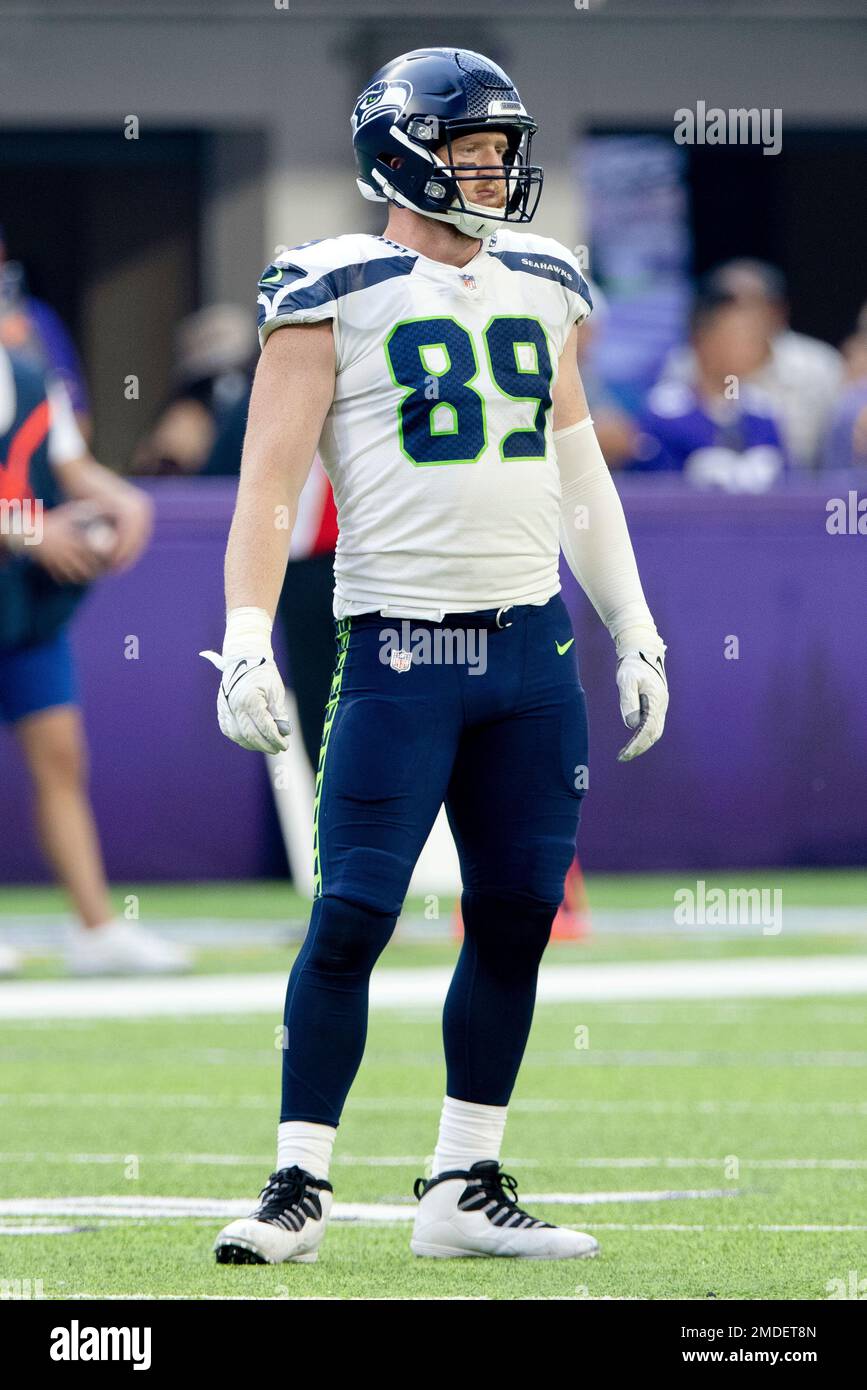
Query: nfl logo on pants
400, 661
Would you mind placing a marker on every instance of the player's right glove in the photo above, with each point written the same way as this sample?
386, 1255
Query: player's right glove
251, 700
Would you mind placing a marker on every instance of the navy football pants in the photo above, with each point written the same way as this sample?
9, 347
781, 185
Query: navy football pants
501, 737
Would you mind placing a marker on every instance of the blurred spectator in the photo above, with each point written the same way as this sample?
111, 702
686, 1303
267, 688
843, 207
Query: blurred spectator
34, 332
800, 375
305, 607
846, 440
614, 427
715, 430
214, 354
64, 521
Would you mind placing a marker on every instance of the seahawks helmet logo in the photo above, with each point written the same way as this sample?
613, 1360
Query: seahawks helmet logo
380, 97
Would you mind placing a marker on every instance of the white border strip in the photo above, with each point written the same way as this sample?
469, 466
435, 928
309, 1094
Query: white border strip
767, 977
175, 1208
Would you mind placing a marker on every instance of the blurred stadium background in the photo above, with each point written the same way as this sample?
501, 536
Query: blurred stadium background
152, 160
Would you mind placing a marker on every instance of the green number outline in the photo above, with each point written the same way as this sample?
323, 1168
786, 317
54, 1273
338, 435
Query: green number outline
520, 429
412, 390
525, 342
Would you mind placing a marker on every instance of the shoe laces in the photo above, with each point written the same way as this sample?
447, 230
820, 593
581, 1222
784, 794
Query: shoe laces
492, 1191
289, 1198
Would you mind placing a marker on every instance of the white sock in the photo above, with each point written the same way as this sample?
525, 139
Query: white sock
306, 1144
468, 1134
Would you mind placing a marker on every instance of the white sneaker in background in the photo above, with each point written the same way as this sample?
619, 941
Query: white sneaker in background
10, 961
123, 948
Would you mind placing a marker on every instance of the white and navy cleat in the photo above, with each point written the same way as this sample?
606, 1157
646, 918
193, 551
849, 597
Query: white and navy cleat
474, 1212
288, 1224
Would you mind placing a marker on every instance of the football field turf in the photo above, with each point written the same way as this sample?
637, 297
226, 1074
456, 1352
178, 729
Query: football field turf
714, 1145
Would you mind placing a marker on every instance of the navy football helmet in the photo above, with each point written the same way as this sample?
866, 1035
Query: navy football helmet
424, 100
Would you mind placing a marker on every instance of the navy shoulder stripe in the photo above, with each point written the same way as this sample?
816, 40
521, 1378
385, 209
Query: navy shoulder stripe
547, 268
344, 280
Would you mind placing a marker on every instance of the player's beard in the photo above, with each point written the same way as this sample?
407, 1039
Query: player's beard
493, 197
496, 200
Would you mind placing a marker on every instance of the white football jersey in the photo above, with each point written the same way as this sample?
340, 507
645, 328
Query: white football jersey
438, 440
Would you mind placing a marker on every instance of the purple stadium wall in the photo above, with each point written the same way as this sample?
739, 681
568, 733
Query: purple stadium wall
764, 759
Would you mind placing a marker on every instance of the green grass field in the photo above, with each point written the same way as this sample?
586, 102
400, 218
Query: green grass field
761, 1101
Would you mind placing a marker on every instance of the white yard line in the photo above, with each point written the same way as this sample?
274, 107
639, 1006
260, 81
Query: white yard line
416, 1161
810, 1228
766, 977
185, 1208
16, 1212
158, 1100
43, 931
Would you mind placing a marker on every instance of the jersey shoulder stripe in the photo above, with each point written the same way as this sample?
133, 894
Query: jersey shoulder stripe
306, 283
548, 267
289, 294
547, 259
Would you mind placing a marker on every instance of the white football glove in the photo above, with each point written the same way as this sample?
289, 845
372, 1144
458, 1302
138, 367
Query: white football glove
643, 689
251, 700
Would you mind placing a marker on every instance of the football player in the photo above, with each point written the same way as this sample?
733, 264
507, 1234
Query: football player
65, 520
435, 366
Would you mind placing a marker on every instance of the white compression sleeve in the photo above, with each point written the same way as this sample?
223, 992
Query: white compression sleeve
595, 539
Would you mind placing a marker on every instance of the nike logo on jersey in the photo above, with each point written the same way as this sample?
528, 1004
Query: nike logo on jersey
563, 647
272, 279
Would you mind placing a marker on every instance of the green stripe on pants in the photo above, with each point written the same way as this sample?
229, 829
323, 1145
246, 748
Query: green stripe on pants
343, 628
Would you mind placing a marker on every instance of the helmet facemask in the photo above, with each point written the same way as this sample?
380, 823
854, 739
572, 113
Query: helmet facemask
523, 182
437, 187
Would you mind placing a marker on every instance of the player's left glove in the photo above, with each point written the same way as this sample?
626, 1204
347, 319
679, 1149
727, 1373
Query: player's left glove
643, 688
251, 700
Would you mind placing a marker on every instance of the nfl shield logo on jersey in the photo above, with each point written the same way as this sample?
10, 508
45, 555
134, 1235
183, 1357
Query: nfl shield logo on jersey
469, 282
400, 661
